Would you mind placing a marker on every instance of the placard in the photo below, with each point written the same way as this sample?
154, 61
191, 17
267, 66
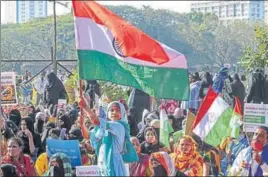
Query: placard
8, 88
68, 147
93, 170
255, 115
62, 104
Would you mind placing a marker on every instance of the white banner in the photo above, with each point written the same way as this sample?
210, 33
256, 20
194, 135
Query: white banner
92, 170
255, 115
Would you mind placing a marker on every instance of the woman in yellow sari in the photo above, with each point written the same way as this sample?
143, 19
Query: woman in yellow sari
185, 157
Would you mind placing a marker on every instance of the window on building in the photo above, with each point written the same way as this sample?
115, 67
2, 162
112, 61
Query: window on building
258, 15
253, 14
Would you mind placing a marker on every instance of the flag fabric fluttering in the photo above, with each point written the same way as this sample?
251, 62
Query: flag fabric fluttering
212, 121
236, 120
111, 49
189, 122
165, 128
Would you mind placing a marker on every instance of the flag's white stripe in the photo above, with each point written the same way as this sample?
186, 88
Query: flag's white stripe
163, 118
92, 36
211, 117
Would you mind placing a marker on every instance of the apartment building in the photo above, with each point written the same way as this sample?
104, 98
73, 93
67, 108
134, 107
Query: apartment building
232, 10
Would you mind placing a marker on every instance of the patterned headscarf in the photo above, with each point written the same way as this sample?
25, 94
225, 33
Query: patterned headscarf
219, 80
164, 159
192, 163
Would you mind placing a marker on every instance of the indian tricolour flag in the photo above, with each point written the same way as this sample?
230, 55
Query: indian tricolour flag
212, 122
111, 49
236, 120
165, 128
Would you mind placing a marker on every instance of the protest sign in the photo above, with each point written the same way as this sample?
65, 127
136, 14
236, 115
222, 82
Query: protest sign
62, 103
93, 170
254, 116
68, 147
8, 88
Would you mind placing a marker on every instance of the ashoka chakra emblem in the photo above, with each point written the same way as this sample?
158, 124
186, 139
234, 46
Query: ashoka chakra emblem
117, 48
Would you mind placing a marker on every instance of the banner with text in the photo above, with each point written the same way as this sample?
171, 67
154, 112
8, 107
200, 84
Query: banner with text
254, 116
8, 88
68, 147
93, 170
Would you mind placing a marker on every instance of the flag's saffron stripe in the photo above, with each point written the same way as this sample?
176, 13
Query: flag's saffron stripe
134, 42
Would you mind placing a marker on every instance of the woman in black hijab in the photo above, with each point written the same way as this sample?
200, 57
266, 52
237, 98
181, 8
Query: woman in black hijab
48, 126
65, 122
54, 90
15, 117
132, 121
9, 170
25, 137
206, 83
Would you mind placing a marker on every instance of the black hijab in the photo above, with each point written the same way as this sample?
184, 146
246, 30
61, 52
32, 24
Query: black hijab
53, 82
148, 148
30, 124
67, 122
38, 126
132, 121
48, 126
54, 90
9, 170
207, 79
15, 116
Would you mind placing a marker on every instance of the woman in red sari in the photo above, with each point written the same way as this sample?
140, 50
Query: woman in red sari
23, 163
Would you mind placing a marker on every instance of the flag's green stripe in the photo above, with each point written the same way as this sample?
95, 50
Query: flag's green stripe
167, 83
221, 128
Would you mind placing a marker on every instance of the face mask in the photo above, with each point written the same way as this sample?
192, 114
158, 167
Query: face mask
257, 146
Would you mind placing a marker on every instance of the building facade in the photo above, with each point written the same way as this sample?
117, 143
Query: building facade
9, 8
232, 10
27, 10
22, 11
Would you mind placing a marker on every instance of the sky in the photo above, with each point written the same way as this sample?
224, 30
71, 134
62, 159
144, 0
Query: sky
178, 6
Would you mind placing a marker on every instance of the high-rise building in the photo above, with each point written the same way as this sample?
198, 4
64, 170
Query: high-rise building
21, 11
9, 8
266, 12
232, 10
27, 10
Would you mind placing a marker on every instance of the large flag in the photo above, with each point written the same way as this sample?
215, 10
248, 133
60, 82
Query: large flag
111, 49
165, 128
236, 120
212, 122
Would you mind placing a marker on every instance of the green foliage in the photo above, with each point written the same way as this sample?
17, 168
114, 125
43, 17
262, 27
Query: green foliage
257, 56
200, 37
113, 92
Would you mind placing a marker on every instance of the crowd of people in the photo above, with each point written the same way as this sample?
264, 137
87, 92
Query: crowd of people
112, 136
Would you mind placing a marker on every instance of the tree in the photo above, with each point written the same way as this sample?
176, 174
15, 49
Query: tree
200, 37
257, 56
